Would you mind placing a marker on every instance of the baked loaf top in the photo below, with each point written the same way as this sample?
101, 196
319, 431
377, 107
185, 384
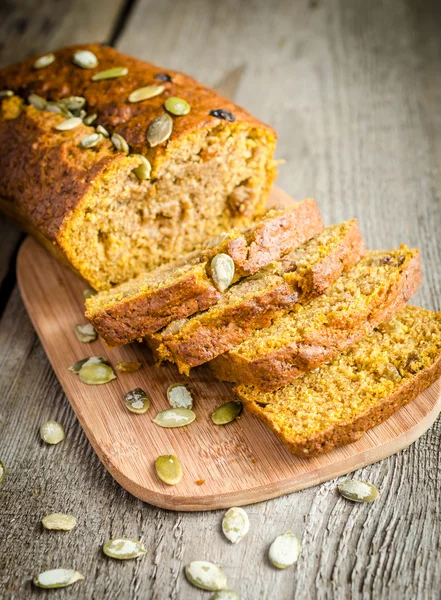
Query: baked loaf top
358, 389
313, 333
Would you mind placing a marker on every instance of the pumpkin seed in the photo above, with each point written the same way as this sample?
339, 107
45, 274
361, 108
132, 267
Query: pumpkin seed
217, 240
143, 170
86, 333
205, 575
144, 93
91, 140
128, 366
235, 524
6, 94
177, 106
358, 491
2, 472
102, 130
57, 578
120, 143
76, 368
69, 124
168, 469
222, 271
226, 595
221, 113
73, 102
59, 522
137, 401
37, 101
90, 119
285, 550
85, 59
88, 293
123, 548
112, 73
174, 327
52, 432
44, 61
179, 396
162, 77
159, 130
174, 417
95, 373
58, 109
225, 413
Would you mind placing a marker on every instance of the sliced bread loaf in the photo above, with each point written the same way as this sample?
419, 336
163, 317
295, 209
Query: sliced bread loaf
176, 290
358, 389
313, 333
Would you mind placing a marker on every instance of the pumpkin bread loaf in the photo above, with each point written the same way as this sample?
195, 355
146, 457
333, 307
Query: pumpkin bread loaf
181, 163
313, 333
174, 291
256, 301
359, 389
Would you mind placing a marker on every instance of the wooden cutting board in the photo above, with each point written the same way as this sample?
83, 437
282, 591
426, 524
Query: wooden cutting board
236, 464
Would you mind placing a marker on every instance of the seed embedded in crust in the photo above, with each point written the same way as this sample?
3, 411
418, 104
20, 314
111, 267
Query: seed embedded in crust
44, 61
85, 59
112, 73
91, 140
102, 130
159, 130
222, 271
69, 124
145, 93
169, 469
6, 94
89, 119
221, 113
37, 101
144, 169
120, 143
177, 106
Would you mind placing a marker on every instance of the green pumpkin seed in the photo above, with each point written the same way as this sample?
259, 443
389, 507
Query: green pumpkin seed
159, 130
217, 240
222, 271
69, 124
205, 575
2, 472
128, 366
57, 578
226, 595
145, 93
91, 140
58, 109
358, 491
73, 102
90, 119
88, 293
120, 143
52, 432
86, 333
112, 73
85, 59
179, 396
174, 327
123, 548
44, 61
76, 368
177, 106
37, 101
6, 94
95, 373
285, 550
226, 413
59, 522
169, 469
137, 401
143, 170
102, 130
235, 524
174, 417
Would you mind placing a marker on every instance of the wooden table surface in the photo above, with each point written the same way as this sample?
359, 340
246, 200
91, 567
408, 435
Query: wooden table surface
354, 91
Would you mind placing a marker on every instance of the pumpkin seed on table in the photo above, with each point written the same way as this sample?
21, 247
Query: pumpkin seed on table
91, 140
177, 106
59, 522
128, 366
57, 578
52, 432
169, 469
89, 119
120, 143
285, 550
206, 576
123, 548
2, 471
85, 59
235, 524
143, 170
174, 417
6, 94
86, 333
222, 271
179, 396
92, 359
225, 595
145, 93
358, 491
96, 373
112, 73
37, 101
137, 401
225, 413
44, 61
159, 129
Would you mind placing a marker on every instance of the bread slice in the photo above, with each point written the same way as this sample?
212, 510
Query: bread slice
255, 302
176, 290
303, 339
358, 389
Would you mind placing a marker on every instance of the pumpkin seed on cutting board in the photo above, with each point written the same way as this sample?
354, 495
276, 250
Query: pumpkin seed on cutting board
137, 401
285, 550
358, 491
96, 373
174, 417
225, 595
85, 59
86, 333
52, 432
123, 548
128, 366
145, 93
205, 575
91, 359
235, 524
159, 129
169, 469
222, 271
44, 61
59, 522
112, 73
57, 578
179, 396
226, 413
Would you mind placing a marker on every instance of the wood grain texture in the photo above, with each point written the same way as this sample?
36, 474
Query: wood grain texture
354, 91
